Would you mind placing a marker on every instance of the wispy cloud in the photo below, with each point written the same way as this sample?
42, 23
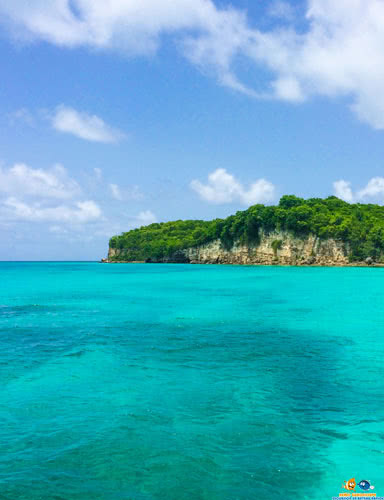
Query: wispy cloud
281, 9
121, 193
223, 187
22, 115
336, 52
85, 126
115, 191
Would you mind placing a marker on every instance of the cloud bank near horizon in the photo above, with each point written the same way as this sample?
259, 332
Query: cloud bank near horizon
336, 52
50, 199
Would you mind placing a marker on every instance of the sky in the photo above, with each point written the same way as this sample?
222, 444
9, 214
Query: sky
116, 114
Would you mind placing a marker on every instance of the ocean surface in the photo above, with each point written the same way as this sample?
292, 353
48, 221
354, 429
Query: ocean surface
176, 382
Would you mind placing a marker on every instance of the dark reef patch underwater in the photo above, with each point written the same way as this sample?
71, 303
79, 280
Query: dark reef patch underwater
197, 382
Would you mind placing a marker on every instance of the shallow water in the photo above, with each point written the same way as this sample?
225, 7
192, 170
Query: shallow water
189, 382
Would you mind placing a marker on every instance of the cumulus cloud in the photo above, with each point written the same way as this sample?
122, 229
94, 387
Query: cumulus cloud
43, 195
22, 180
337, 50
80, 212
223, 187
373, 189
85, 126
342, 189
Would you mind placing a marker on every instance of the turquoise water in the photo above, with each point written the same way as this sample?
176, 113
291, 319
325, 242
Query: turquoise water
189, 382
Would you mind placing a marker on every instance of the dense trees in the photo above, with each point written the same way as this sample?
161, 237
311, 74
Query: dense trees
359, 225
162, 239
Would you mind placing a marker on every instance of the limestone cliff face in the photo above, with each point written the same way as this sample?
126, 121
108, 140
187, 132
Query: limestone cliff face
293, 251
112, 253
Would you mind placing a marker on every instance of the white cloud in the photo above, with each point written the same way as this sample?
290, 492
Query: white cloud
133, 26
373, 189
288, 89
223, 187
340, 54
126, 193
115, 191
145, 217
80, 212
337, 51
85, 126
342, 189
36, 194
22, 180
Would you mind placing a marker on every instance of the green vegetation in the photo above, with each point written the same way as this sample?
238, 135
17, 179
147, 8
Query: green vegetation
276, 245
163, 239
360, 226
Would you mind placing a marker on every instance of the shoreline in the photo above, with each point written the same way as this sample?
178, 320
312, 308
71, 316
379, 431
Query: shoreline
352, 264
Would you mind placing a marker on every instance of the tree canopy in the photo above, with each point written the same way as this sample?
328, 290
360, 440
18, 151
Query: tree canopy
361, 226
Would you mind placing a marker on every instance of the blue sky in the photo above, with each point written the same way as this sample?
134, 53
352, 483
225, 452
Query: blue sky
159, 110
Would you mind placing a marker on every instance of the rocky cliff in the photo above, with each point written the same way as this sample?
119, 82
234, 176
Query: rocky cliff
274, 248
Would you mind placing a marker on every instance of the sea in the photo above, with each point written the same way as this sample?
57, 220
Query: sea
189, 382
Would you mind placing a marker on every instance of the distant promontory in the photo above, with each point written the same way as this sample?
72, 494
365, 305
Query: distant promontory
325, 232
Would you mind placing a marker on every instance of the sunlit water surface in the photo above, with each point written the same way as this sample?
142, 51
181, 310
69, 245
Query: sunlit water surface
177, 382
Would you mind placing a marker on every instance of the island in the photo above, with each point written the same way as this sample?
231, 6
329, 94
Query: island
297, 231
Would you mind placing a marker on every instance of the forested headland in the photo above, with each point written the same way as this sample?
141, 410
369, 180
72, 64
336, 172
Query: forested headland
359, 226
